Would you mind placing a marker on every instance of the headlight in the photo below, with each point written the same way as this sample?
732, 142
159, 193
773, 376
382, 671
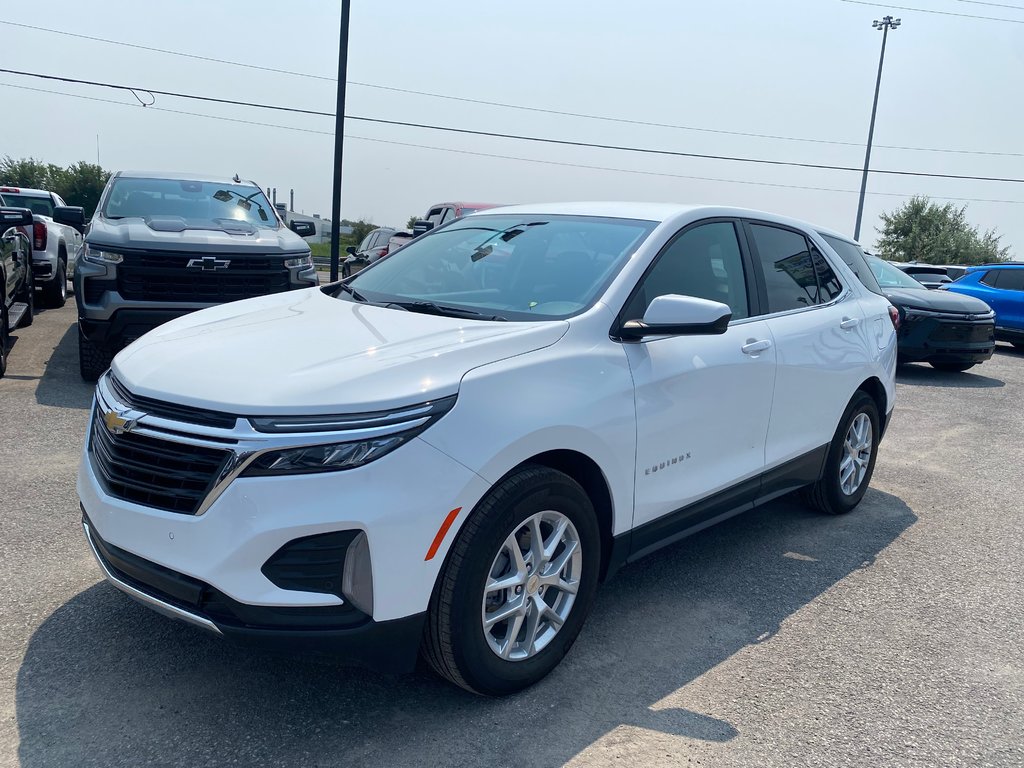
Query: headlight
304, 262
97, 256
370, 436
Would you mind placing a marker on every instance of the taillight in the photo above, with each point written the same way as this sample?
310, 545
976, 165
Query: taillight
894, 315
382, 252
39, 236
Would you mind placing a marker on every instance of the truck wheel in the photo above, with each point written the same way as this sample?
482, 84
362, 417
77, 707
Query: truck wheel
3, 332
27, 295
93, 359
55, 290
850, 461
518, 585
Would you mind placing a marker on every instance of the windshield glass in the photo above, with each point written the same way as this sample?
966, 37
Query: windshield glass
521, 267
889, 276
193, 201
854, 257
40, 206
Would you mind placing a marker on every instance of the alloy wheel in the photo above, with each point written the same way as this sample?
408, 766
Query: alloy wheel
857, 449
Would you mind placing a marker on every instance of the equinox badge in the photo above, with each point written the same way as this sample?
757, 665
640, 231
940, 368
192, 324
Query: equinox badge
208, 263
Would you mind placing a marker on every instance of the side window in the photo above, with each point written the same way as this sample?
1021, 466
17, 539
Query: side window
990, 278
434, 215
366, 243
704, 262
449, 214
829, 286
1011, 279
788, 269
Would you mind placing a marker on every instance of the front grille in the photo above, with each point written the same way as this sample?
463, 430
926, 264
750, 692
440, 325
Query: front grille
170, 411
167, 277
967, 333
156, 473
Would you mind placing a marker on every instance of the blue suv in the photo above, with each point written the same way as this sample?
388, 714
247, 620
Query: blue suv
1001, 286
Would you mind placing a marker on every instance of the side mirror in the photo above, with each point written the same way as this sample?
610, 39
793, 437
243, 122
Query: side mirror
70, 215
421, 227
303, 228
351, 250
15, 217
673, 315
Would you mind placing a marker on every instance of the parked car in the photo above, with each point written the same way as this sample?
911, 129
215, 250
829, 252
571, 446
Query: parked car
372, 247
955, 271
398, 240
928, 275
442, 213
949, 333
451, 454
1001, 286
17, 294
162, 245
56, 238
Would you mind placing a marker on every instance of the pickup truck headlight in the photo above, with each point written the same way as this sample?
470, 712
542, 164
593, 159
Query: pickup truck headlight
369, 437
305, 262
96, 256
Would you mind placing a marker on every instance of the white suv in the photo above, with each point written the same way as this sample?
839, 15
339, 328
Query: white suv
450, 451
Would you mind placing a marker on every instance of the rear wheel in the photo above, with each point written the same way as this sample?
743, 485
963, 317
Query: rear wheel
3, 331
518, 584
1018, 345
27, 295
952, 367
55, 290
93, 359
850, 461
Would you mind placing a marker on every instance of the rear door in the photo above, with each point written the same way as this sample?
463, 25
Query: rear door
1009, 297
822, 343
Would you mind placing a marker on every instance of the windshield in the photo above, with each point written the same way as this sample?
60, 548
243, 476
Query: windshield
193, 201
518, 267
889, 276
40, 206
854, 257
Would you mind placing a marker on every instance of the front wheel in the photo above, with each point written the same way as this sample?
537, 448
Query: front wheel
850, 461
518, 584
93, 359
952, 367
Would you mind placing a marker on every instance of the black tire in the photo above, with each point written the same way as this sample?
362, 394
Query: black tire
3, 330
952, 367
1018, 345
827, 494
455, 645
27, 295
55, 290
93, 359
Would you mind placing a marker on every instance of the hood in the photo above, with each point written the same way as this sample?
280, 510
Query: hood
936, 301
304, 352
173, 233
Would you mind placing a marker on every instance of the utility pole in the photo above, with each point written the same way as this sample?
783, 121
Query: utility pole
339, 138
887, 23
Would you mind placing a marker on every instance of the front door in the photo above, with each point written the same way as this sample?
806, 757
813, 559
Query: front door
702, 402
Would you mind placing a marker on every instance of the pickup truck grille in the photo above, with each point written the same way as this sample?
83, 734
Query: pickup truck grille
225, 277
156, 473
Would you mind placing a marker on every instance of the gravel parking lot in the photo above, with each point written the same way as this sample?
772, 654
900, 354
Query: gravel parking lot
889, 637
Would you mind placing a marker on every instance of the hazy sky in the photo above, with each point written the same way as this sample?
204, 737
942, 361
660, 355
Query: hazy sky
804, 68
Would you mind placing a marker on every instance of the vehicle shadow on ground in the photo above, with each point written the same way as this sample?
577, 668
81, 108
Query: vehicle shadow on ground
61, 384
1009, 351
106, 682
924, 375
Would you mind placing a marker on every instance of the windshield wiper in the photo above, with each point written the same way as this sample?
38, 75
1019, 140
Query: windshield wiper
430, 308
352, 292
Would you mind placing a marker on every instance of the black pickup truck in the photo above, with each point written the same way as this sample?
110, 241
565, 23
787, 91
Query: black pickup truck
17, 297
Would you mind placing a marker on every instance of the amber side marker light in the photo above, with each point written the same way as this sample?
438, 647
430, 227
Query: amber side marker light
441, 532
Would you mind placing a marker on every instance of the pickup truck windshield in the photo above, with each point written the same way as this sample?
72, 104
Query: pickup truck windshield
515, 267
193, 201
40, 206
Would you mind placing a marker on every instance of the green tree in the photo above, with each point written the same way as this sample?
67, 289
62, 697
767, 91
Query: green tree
78, 184
412, 220
921, 230
27, 172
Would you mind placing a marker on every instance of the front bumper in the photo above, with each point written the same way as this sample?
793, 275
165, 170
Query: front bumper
390, 646
930, 339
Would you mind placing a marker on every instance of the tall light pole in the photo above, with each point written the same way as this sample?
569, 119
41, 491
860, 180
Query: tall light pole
339, 138
885, 25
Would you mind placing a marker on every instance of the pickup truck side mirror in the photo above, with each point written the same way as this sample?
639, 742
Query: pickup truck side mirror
303, 228
15, 217
351, 250
673, 315
421, 227
70, 215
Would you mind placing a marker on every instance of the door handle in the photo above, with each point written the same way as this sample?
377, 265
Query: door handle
753, 346
849, 322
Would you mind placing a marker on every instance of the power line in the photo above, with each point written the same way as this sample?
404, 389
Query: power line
135, 90
504, 157
928, 10
505, 105
994, 5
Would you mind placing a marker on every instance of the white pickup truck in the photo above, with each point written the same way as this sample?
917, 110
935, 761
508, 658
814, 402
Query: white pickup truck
56, 238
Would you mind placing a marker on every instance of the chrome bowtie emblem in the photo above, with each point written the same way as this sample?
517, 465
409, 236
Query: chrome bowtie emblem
119, 422
209, 263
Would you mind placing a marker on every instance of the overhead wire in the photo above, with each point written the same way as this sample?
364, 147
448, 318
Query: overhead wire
519, 137
503, 157
506, 105
931, 10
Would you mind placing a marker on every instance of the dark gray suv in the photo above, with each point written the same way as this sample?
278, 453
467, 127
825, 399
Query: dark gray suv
161, 245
